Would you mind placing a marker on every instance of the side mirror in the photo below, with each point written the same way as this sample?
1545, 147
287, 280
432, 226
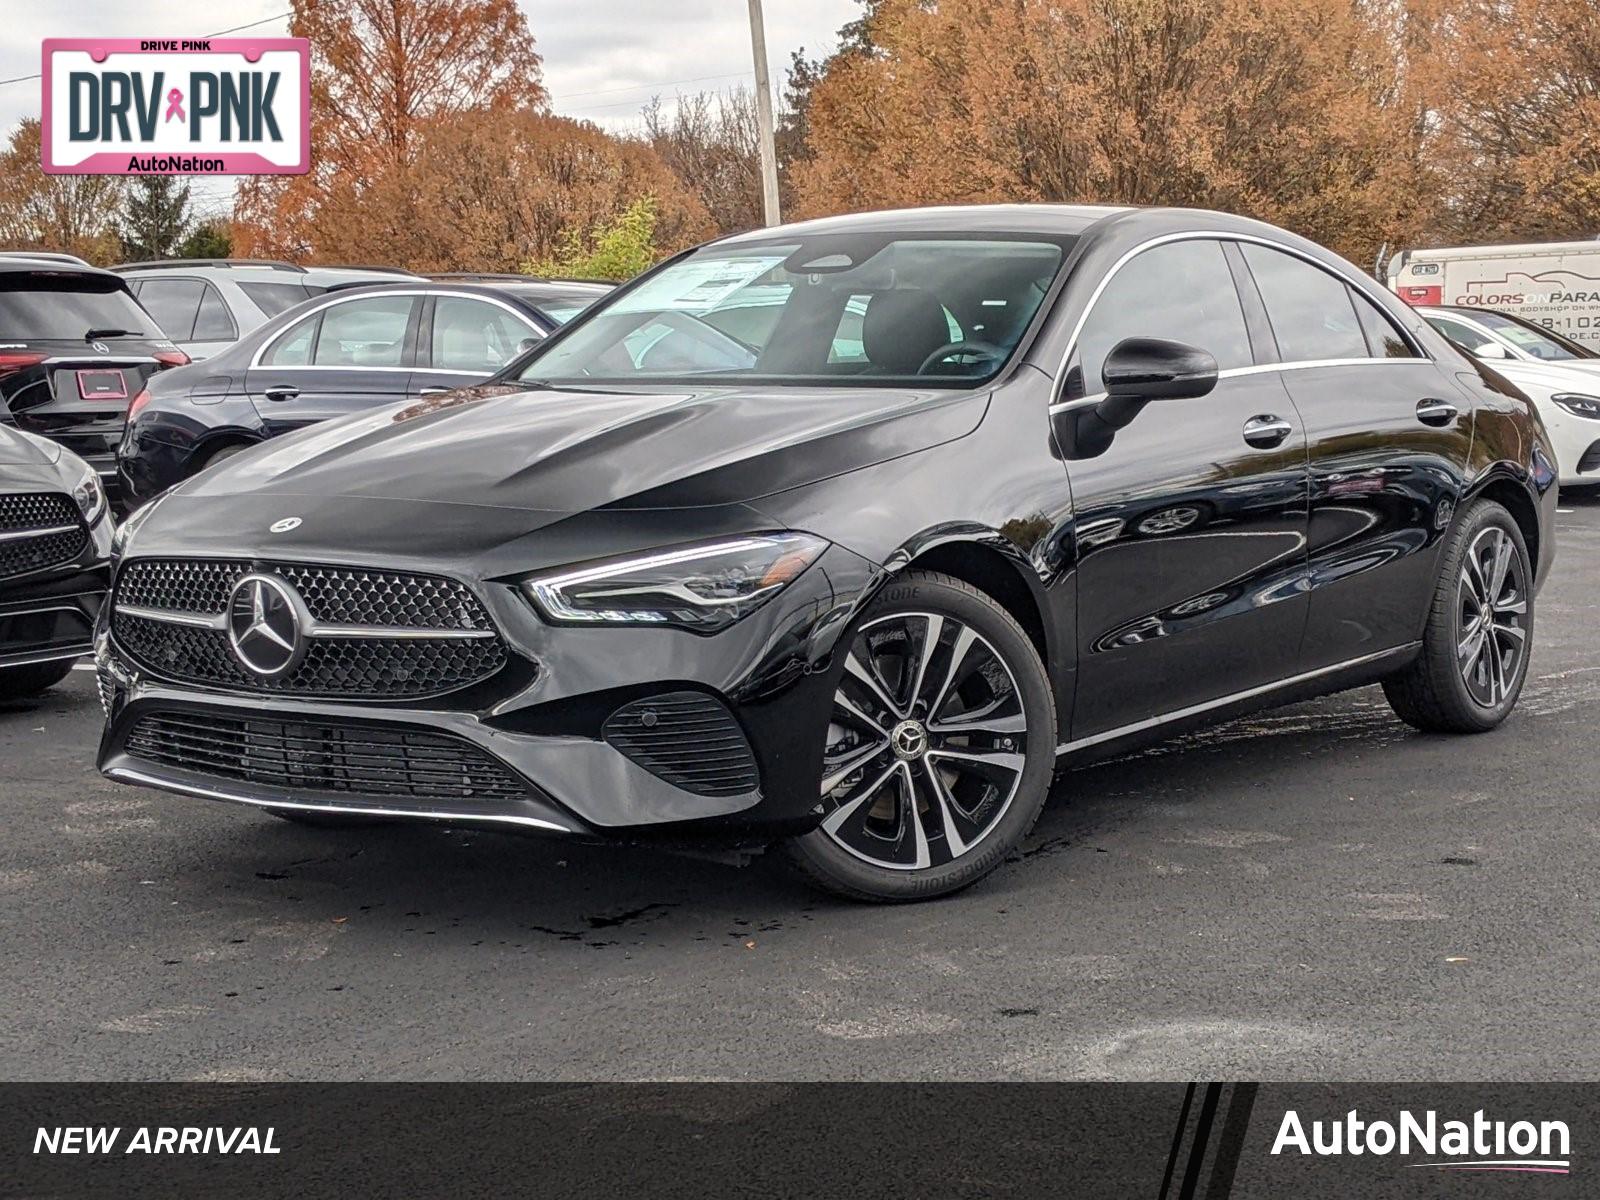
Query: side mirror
527, 344
1137, 371
1491, 350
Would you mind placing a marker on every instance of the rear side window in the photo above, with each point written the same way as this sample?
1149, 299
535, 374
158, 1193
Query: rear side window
1383, 339
274, 298
173, 303
1182, 291
214, 323
1311, 312
364, 333
44, 306
293, 349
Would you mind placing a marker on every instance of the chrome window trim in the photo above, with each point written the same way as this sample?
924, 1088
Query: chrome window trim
1360, 285
346, 298
1261, 369
1204, 706
128, 775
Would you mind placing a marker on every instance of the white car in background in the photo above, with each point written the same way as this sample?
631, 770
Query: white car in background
207, 304
1560, 376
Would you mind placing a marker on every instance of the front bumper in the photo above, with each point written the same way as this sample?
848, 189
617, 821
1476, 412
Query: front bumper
50, 616
548, 719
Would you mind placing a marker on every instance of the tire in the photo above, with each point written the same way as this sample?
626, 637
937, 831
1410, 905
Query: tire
1443, 690
971, 790
16, 683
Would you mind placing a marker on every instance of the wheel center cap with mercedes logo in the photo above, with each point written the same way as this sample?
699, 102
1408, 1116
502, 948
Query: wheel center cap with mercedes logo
266, 625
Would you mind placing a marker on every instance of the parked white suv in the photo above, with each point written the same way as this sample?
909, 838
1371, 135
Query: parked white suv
204, 304
1561, 377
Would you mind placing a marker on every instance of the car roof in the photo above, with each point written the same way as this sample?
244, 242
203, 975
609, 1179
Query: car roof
50, 266
968, 218
551, 289
265, 270
50, 256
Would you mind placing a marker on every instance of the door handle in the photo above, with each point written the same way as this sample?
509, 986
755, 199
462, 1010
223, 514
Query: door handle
279, 392
1266, 431
434, 391
1436, 412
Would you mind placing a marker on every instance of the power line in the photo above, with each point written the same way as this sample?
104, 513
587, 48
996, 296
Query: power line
219, 33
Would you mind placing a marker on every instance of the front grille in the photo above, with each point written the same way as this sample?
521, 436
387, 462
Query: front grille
23, 513
1590, 460
687, 738
324, 758
373, 666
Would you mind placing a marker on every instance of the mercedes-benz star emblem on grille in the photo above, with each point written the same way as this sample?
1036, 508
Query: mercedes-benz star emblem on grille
284, 526
265, 625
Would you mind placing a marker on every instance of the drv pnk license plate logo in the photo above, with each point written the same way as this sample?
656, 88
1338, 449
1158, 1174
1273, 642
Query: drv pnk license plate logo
207, 106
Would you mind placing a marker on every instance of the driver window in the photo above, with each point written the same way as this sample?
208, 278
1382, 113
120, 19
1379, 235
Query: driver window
1182, 291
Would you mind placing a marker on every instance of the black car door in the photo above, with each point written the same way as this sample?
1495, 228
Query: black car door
348, 355
1191, 527
465, 339
1387, 438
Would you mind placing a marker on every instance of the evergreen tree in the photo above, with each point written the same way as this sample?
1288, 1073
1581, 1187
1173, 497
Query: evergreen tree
155, 217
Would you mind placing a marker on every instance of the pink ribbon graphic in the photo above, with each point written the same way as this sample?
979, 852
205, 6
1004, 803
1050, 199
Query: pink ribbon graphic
175, 105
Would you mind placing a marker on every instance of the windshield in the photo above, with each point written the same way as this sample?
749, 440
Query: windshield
1537, 342
934, 310
69, 307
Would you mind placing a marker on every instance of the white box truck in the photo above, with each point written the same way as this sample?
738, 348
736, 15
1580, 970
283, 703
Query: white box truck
1554, 284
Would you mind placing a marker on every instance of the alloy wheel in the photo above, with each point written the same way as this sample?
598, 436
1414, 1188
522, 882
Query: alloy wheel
1492, 632
925, 747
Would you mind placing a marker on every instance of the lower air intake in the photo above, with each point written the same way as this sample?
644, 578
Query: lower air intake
688, 739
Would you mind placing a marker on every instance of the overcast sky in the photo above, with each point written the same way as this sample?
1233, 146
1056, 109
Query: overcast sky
603, 59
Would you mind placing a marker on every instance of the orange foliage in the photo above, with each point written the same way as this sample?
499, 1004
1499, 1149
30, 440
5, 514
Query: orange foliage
381, 71
1295, 111
490, 190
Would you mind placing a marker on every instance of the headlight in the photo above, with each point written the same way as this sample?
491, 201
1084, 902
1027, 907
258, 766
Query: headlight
1579, 405
89, 495
703, 587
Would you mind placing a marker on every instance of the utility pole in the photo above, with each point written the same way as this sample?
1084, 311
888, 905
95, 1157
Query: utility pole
769, 150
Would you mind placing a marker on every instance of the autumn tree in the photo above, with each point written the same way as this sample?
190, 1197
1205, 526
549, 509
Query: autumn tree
383, 70
1295, 111
74, 214
492, 190
1515, 90
710, 142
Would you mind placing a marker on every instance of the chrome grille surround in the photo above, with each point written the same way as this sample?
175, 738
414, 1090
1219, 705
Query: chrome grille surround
374, 634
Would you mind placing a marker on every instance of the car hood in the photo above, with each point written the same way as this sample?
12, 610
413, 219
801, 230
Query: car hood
541, 450
1550, 377
481, 469
18, 449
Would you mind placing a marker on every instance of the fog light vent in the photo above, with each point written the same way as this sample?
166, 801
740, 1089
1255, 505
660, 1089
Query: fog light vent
689, 739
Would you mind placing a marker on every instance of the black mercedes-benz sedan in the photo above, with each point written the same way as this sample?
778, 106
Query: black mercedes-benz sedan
348, 350
839, 536
55, 535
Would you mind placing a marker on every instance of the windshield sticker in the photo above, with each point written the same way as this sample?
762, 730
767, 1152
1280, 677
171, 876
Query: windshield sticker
697, 286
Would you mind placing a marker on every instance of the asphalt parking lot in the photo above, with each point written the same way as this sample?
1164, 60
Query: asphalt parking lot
1314, 893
